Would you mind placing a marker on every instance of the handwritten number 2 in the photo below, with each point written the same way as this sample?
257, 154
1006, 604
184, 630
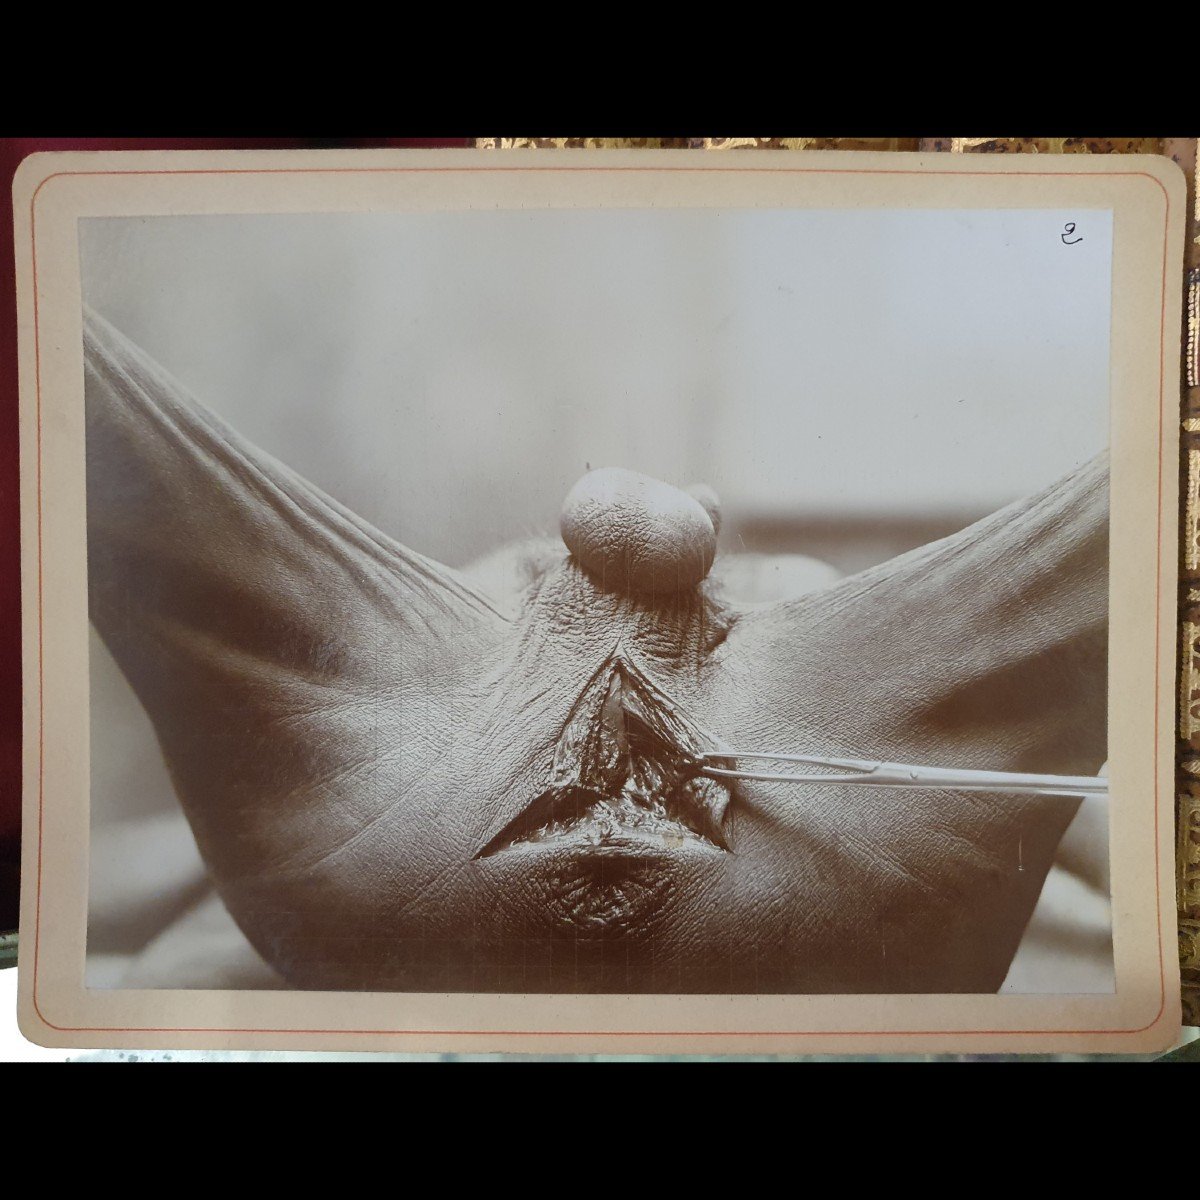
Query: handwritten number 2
1068, 229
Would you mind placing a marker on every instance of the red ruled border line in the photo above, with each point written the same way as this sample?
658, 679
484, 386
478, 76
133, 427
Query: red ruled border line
831, 1033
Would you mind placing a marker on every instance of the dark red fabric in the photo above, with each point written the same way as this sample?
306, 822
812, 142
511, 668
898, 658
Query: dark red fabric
12, 151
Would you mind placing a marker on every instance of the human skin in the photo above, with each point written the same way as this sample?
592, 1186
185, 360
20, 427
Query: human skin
369, 745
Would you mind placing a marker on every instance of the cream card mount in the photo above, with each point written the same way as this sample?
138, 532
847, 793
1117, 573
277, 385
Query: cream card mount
643, 602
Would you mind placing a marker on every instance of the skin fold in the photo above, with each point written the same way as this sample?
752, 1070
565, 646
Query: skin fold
387, 764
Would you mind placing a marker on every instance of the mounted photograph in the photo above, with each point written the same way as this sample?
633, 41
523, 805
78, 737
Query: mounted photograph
673, 604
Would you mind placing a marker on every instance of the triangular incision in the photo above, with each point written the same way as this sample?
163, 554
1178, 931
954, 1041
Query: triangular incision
625, 765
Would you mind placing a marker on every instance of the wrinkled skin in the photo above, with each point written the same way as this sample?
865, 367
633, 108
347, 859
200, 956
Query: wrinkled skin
360, 737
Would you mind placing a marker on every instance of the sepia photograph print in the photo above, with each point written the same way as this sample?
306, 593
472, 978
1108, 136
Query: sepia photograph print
695, 594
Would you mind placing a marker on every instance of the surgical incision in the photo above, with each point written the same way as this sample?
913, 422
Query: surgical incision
625, 766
